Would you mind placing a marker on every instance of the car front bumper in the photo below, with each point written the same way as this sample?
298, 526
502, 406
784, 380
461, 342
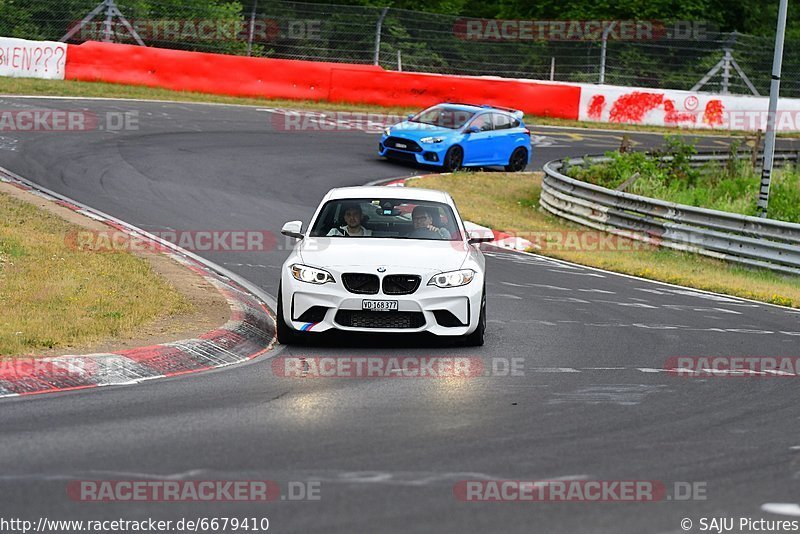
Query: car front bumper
439, 311
431, 154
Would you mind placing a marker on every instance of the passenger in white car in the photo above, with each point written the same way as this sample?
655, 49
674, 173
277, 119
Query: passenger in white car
353, 228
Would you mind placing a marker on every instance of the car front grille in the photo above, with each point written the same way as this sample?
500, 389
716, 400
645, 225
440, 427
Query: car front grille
375, 319
361, 283
401, 284
406, 144
402, 156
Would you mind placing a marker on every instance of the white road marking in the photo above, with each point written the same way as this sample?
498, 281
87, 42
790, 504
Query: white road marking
628, 304
557, 288
576, 273
781, 508
648, 290
8, 143
566, 299
519, 321
622, 394
684, 307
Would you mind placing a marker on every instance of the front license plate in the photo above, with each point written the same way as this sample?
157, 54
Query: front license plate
401, 145
379, 305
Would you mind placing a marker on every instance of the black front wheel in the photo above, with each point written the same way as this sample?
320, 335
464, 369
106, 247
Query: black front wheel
453, 159
518, 160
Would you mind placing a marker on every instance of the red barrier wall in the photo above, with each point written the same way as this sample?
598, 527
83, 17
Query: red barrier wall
201, 72
421, 90
308, 80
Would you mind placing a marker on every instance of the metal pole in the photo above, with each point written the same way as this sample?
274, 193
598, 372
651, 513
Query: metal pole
378, 35
774, 90
726, 71
552, 68
603, 48
109, 16
127, 24
399, 61
252, 28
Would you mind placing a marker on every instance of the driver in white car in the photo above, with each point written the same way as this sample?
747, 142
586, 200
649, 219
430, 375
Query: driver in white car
353, 228
423, 220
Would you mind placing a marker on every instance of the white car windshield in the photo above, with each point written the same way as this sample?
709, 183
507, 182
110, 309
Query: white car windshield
386, 218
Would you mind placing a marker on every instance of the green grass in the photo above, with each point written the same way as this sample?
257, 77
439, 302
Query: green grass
729, 187
53, 296
510, 202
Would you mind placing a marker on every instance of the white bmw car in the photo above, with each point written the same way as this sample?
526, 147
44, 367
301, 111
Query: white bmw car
386, 260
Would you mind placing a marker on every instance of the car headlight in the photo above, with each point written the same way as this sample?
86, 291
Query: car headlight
452, 278
431, 140
387, 131
304, 273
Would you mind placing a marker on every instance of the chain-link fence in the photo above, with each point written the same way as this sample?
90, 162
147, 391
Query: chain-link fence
416, 41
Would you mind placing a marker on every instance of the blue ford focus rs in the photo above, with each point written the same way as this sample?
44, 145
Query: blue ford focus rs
452, 136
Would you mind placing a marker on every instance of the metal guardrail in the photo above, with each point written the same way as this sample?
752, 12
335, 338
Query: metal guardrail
752, 241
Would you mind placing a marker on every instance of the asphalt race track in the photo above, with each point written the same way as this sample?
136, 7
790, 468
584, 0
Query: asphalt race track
590, 404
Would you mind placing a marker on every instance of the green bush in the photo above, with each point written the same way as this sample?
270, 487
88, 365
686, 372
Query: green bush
731, 186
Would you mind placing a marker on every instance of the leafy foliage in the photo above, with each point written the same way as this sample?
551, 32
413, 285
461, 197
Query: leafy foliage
424, 35
732, 186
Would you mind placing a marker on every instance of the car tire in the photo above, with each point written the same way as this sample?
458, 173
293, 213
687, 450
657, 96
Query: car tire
475, 339
518, 160
286, 334
453, 159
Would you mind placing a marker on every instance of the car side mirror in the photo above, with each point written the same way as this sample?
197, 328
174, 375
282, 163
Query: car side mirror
409, 116
293, 229
474, 237
472, 130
